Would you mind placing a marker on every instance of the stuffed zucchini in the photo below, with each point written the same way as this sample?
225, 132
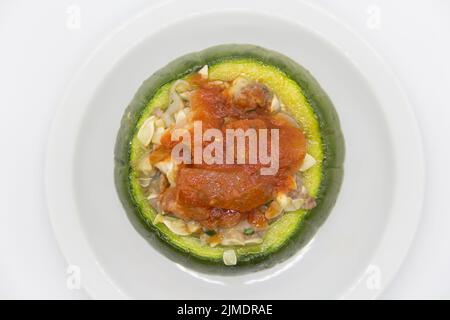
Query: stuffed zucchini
202, 198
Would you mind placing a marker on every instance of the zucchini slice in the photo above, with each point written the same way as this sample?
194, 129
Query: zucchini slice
306, 102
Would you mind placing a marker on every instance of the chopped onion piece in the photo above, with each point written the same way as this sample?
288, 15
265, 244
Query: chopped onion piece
169, 168
283, 200
237, 85
180, 86
294, 205
144, 182
152, 196
204, 239
213, 244
233, 237
288, 204
167, 117
232, 242
204, 71
254, 241
176, 103
217, 83
287, 118
159, 123
145, 165
171, 176
308, 162
274, 210
181, 116
229, 258
146, 131
165, 166
159, 132
186, 95
177, 226
193, 226
158, 219
275, 105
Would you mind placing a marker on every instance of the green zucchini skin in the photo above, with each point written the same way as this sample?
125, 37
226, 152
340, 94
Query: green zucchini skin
332, 142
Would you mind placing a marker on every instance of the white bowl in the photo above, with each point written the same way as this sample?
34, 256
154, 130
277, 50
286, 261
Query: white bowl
354, 254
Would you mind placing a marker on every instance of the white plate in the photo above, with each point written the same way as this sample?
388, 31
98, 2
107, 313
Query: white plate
362, 244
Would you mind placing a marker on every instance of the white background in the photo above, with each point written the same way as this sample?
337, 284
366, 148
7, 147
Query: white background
39, 55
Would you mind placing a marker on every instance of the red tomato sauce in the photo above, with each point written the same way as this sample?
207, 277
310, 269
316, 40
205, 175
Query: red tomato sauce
221, 195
